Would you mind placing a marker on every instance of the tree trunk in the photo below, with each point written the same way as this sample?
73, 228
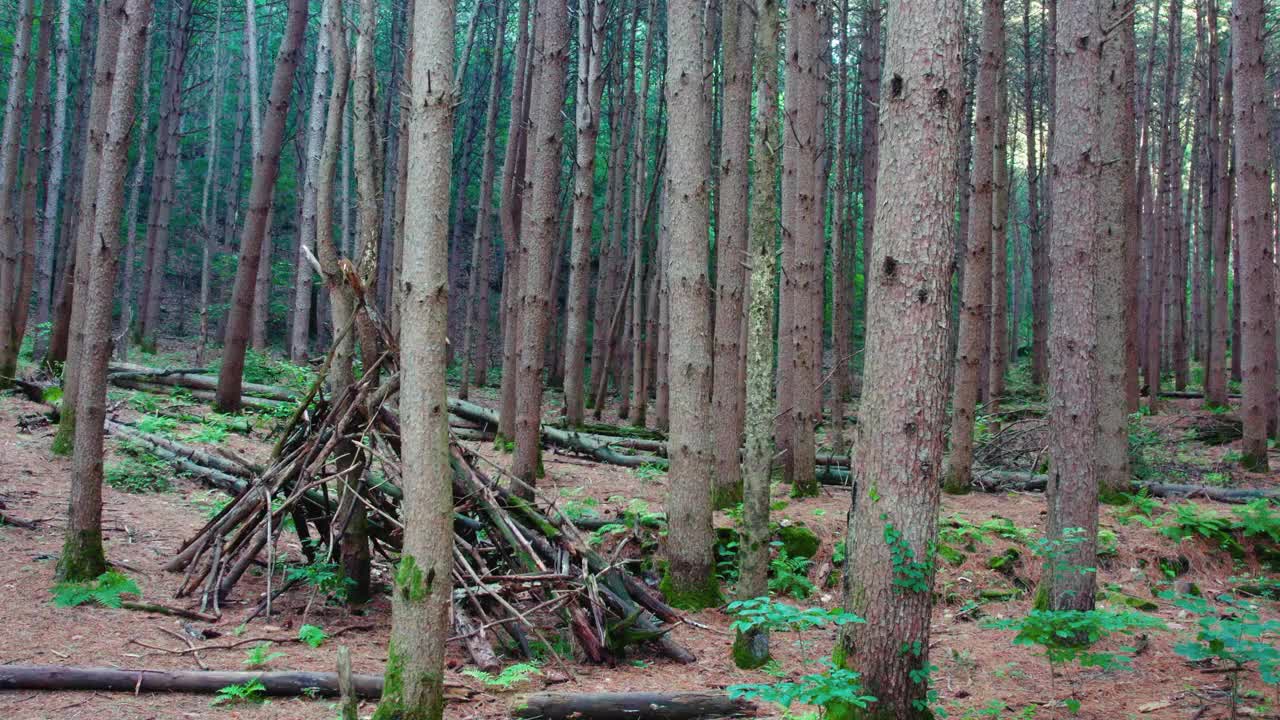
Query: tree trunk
77, 286
1075, 248
513, 173
1117, 201
538, 232
1253, 212
10, 222
998, 343
591, 22
639, 400
902, 418
300, 332
1216, 372
53, 198
420, 605
477, 299
266, 168
165, 174
82, 555
870, 70
1039, 252
262, 286
206, 226
752, 650
691, 580
975, 310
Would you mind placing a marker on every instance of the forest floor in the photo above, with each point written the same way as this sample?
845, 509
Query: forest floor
979, 672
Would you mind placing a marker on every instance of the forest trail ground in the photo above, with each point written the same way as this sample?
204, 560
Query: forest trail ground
975, 665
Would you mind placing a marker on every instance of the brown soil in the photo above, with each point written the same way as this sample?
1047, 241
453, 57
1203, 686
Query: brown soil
976, 666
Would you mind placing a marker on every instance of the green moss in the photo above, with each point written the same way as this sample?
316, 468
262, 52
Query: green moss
64, 440
1005, 561
1136, 603
697, 596
393, 705
83, 559
798, 540
413, 585
750, 649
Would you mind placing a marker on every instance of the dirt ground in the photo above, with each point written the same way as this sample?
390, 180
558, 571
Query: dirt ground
975, 665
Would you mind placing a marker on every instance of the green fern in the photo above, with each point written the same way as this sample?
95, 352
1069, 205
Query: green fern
506, 679
260, 654
312, 635
252, 691
108, 591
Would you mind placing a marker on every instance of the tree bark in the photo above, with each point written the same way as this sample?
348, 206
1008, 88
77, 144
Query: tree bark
164, 174
1253, 213
690, 581
998, 342
477, 299
82, 554
539, 229
266, 168
591, 23
420, 603
1217, 370
77, 286
727, 393
300, 331
10, 222
902, 417
975, 308
752, 650
1116, 236
1075, 247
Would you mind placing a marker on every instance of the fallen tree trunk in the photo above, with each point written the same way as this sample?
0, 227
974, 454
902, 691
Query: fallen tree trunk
1006, 480
59, 677
632, 706
257, 403
194, 379
1191, 395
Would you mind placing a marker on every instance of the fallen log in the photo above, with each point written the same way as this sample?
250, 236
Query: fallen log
632, 706
194, 379
1007, 480
257, 403
60, 677
1192, 395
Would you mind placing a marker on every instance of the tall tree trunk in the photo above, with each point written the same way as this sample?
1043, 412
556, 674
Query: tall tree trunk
300, 334
128, 294
165, 174
691, 580
1075, 248
1039, 250
538, 232
266, 168
975, 310
1217, 370
1253, 212
262, 287
591, 22
1115, 236
37, 127
477, 299
636, 238
10, 222
998, 345
727, 393
752, 650
206, 225
420, 607
513, 173
77, 287
902, 418
53, 195
800, 273
870, 70
82, 554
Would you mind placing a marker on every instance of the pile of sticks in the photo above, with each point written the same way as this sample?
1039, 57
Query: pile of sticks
521, 568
